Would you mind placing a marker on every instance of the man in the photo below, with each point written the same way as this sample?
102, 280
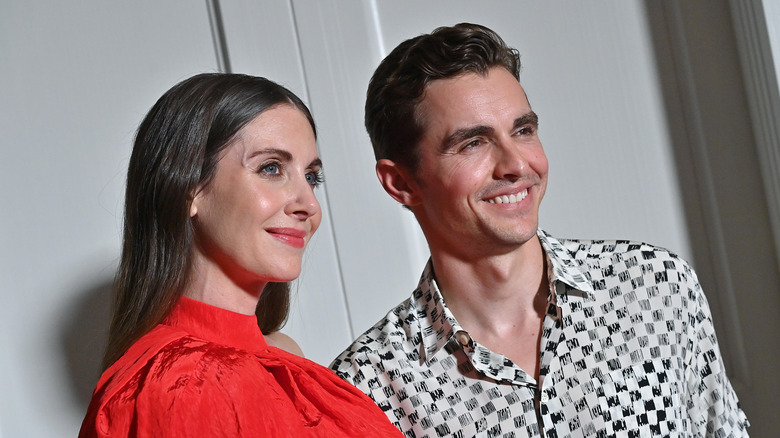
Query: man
512, 332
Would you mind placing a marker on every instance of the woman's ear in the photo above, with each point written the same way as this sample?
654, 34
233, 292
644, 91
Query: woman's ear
195, 202
398, 182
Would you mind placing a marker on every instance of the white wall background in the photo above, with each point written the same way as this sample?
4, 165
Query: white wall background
76, 78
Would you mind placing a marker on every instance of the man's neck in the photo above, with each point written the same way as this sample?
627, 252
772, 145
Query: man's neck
500, 300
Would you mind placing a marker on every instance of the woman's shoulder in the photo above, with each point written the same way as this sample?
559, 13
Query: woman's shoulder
284, 342
166, 361
164, 366
177, 384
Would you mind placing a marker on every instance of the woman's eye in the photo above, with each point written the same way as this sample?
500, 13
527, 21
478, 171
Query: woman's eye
314, 178
271, 168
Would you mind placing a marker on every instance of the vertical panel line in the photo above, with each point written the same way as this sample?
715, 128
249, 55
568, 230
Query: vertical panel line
378, 26
218, 36
332, 230
727, 302
763, 99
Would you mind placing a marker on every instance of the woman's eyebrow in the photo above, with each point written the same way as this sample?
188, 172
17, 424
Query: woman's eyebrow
285, 155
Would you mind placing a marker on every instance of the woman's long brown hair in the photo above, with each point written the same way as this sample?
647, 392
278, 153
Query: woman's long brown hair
176, 150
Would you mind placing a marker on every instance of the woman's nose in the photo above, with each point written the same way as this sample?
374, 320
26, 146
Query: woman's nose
305, 203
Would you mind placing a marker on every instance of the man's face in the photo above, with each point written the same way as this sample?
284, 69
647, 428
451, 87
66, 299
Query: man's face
482, 172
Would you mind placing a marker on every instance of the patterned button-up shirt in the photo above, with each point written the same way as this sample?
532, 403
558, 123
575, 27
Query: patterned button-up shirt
627, 349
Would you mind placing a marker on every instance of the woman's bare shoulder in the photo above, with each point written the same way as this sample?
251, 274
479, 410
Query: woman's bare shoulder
284, 342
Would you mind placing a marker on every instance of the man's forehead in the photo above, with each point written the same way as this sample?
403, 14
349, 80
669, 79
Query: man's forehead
472, 98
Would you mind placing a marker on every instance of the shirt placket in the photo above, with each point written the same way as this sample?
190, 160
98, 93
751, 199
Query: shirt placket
550, 361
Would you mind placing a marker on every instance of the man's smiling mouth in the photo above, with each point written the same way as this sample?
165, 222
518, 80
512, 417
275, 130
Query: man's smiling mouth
509, 199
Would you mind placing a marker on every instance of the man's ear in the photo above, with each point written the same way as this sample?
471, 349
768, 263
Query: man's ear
397, 181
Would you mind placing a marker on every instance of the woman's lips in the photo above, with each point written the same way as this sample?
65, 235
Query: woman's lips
291, 236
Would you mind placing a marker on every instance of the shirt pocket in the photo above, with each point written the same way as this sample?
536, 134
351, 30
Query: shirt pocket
645, 399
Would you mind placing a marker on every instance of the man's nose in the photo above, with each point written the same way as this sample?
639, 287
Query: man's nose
511, 162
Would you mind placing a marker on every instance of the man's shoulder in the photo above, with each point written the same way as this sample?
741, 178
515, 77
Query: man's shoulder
398, 329
599, 249
612, 265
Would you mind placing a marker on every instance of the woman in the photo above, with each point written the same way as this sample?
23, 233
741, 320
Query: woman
218, 209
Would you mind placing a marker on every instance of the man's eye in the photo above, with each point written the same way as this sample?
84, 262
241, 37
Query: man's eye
526, 130
471, 144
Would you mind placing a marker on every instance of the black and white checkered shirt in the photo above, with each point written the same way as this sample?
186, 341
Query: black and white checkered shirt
628, 349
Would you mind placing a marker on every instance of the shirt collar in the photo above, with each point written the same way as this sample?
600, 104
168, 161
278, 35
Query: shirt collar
562, 266
437, 324
217, 325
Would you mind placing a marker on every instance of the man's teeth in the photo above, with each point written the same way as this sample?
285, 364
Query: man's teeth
511, 199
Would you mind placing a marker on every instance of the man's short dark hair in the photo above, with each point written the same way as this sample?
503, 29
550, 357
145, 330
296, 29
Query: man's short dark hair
397, 87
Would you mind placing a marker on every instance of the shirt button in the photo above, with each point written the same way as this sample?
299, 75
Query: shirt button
463, 338
545, 398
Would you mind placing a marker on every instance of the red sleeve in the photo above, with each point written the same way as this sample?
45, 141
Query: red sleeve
190, 388
193, 388
188, 405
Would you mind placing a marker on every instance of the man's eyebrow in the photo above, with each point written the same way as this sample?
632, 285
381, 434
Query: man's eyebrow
529, 118
452, 140
462, 134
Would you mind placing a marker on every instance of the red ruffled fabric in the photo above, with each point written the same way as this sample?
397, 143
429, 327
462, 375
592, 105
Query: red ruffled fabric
208, 372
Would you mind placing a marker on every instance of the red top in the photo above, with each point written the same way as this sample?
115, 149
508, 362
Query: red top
208, 372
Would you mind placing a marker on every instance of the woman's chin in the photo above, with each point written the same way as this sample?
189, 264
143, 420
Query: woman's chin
284, 275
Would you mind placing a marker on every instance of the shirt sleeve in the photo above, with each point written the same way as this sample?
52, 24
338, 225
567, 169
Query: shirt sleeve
223, 392
712, 404
198, 407
191, 389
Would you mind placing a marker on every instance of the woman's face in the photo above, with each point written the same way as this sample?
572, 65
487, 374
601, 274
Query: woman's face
253, 220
